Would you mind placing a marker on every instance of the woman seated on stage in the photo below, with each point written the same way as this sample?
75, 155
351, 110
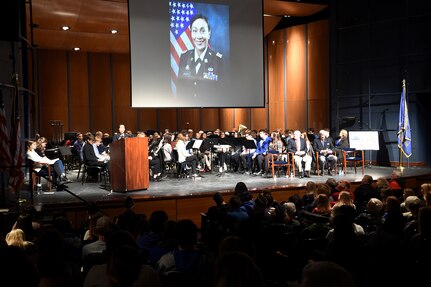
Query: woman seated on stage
40, 161
185, 156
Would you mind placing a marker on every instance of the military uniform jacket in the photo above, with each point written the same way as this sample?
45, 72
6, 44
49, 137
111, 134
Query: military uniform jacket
205, 80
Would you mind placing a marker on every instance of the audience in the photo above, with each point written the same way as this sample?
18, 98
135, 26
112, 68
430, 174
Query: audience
249, 241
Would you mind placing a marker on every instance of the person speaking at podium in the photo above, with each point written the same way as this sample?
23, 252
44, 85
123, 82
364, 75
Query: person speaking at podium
121, 133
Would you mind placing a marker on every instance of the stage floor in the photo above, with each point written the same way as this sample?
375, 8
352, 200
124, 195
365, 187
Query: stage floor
174, 187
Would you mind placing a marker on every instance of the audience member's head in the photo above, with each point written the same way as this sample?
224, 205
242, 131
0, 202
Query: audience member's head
237, 269
326, 274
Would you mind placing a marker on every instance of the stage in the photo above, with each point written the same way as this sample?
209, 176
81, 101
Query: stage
206, 186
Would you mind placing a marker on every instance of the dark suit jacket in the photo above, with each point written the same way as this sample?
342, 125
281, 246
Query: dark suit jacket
117, 136
291, 145
319, 146
89, 155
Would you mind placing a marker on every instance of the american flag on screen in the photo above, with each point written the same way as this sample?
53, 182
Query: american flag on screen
180, 14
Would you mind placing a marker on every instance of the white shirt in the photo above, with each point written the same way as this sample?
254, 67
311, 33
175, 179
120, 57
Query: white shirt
182, 152
34, 157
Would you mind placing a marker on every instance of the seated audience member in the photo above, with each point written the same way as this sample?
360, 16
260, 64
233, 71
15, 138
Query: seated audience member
326, 274
406, 193
124, 267
16, 237
322, 205
425, 192
364, 192
325, 149
234, 215
40, 161
103, 226
298, 147
371, 219
237, 269
192, 266
344, 198
396, 184
309, 197
128, 220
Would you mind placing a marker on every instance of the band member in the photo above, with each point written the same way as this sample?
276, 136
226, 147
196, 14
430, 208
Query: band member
185, 156
261, 151
247, 154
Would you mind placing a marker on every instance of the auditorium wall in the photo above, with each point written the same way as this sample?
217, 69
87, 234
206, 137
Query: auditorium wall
91, 91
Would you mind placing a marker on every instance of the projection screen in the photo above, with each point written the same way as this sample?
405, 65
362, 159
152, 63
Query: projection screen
196, 54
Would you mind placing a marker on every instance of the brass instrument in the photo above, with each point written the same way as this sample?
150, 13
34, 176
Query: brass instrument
241, 129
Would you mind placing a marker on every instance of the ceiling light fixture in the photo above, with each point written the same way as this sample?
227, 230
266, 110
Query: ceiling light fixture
76, 49
65, 28
113, 31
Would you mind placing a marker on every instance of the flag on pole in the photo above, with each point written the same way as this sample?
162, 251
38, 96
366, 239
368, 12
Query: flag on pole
16, 176
404, 132
5, 159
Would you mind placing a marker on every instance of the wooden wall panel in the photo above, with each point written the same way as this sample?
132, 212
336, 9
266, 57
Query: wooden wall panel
276, 79
242, 116
79, 104
148, 119
121, 80
53, 90
168, 119
318, 75
295, 77
210, 119
226, 119
101, 93
189, 119
258, 118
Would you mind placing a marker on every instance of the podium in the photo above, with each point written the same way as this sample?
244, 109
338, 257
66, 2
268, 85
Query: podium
129, 164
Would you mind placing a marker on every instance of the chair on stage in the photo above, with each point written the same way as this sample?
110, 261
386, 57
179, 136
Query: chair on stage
322, 171
275, 159
44, 172
352, 156
98, 170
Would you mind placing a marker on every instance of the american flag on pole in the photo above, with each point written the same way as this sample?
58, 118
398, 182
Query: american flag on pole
180, 36
5, 159
16, 176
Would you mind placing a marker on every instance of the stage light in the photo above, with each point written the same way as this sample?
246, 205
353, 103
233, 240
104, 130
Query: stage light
65, 28
76, 49
113, 31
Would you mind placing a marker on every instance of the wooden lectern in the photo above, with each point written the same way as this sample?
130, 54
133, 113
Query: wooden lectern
129, 164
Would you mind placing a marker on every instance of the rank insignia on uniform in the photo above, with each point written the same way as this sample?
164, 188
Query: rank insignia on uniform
219, 55
210, 69
205, 60
187, 68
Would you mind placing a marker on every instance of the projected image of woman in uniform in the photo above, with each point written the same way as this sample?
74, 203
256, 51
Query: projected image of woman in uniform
200, 63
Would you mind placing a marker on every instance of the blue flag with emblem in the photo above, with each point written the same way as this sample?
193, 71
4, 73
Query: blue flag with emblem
404, 132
